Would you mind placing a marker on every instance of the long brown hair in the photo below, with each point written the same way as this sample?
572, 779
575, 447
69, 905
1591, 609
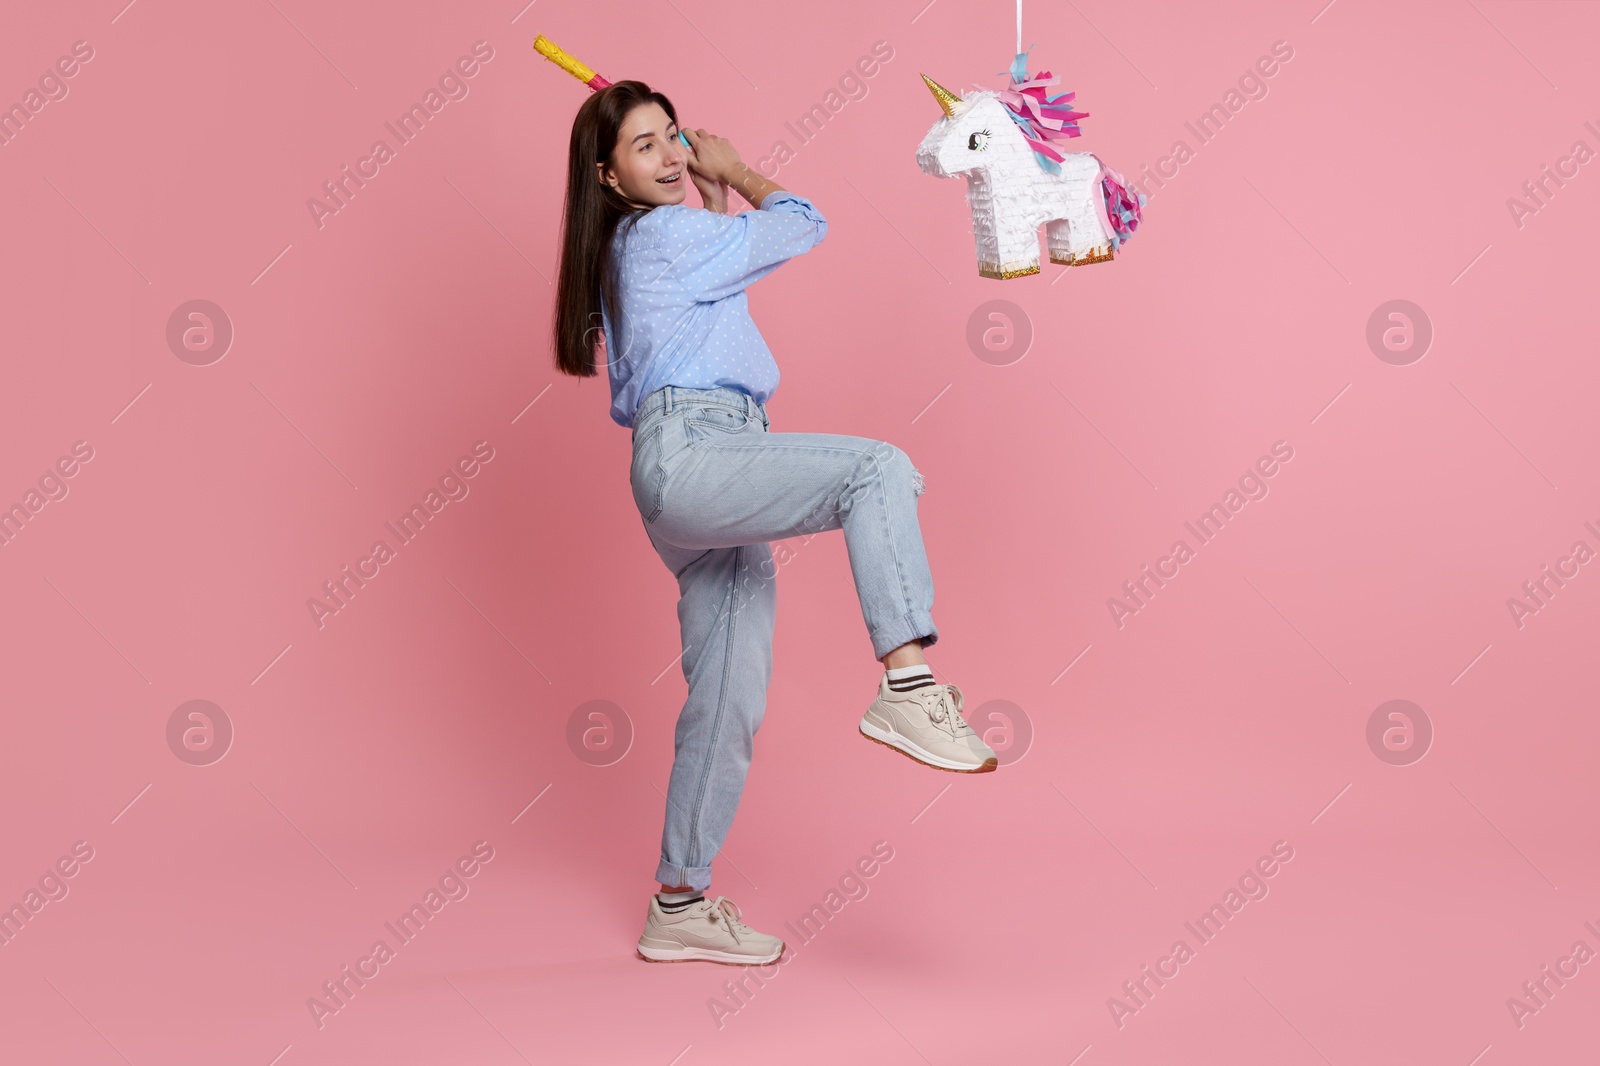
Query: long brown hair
590, 218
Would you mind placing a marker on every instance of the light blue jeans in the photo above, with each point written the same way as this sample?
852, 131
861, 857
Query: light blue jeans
713, 485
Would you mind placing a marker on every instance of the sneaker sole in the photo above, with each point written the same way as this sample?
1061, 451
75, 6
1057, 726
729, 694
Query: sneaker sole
895, 742
704, 955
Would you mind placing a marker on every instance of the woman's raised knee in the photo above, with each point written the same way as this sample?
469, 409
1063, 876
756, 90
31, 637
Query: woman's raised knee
895, 466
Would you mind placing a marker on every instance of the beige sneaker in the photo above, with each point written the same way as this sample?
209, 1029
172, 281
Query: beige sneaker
710, 930
926, 724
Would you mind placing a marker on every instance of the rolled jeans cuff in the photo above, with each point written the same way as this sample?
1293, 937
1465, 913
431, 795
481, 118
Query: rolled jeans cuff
903, 631
696, 877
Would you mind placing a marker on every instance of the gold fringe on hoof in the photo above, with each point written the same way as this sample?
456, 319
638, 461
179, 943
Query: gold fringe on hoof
988, 271
1096, 255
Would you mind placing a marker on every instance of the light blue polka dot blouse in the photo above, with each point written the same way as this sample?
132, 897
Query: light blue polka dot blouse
682, 273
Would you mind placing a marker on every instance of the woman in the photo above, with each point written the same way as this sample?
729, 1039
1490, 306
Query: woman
690, 374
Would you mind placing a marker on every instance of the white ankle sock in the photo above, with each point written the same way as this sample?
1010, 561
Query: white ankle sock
906, 678
673, 901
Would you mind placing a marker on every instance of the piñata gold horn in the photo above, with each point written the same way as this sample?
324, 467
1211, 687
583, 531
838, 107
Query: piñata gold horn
951, 104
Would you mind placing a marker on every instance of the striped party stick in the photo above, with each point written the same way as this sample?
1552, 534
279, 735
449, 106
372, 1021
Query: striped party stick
552, 51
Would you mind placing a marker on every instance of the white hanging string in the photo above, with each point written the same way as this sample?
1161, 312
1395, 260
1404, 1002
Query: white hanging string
1019, 26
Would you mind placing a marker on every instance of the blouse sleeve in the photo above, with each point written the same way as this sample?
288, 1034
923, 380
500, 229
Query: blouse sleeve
714, 256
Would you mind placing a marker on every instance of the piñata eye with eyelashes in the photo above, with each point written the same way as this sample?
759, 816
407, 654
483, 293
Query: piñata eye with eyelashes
977, 141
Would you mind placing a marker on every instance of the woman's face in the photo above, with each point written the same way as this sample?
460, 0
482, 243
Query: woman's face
649, 164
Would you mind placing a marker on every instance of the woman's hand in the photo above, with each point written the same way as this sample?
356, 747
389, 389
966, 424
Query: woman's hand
713, 157
713, 193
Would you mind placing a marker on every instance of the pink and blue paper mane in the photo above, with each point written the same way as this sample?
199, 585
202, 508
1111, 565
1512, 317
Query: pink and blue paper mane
1044, 119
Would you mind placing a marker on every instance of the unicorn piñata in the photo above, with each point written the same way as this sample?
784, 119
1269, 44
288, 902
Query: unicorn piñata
1016, 179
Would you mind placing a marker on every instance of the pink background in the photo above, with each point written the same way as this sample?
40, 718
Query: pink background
1230, 713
